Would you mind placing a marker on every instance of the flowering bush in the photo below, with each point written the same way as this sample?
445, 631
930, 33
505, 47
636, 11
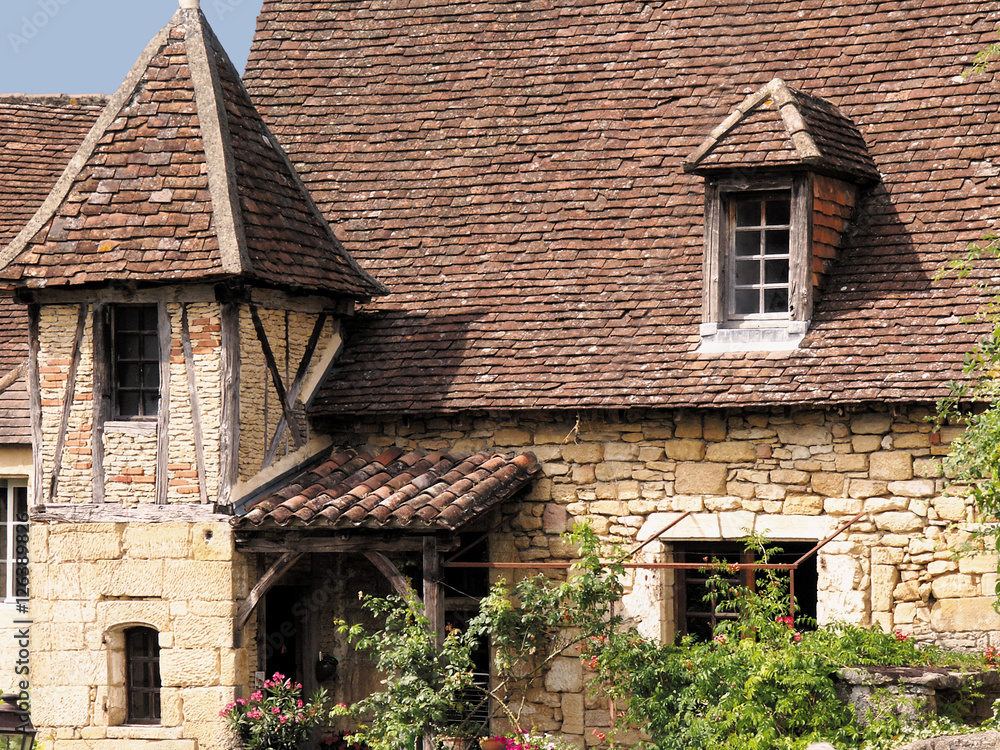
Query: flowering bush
535, 741
274, 717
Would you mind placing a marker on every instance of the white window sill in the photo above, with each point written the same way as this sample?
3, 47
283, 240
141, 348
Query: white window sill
717, 340
144, 732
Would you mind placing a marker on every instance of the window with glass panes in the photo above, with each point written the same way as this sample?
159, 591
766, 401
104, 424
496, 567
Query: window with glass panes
13, 539
142, 675
136, 360
761, 229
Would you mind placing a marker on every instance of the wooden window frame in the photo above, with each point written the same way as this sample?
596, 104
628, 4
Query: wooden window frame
150, 687
15, 539
117, 358
718, 261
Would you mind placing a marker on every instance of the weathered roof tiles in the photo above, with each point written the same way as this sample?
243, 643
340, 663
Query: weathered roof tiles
181, 180
397, 489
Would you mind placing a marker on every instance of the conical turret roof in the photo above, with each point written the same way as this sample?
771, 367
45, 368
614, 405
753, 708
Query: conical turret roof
181, 180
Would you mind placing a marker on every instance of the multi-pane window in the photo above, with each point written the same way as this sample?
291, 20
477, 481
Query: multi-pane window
136, 360
761, 229
697, 609
142, 675
14, 540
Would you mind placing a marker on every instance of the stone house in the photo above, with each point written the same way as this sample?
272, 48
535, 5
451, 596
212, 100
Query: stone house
647, 264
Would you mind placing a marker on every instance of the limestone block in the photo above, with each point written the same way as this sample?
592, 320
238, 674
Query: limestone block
60, 706
866, 443
851, 462
964, 615
554, 518
688, 426
203, 704
113, 613
189, 667
864, 488
233, 663
941, 567
103, 544
839, 573
564, 676
912, 440
731, 452
510, 436
701, 479
927, 467
157, 541
922, 545
770, 492
978, 564
572, 713
848, 606
883, 504
685, 450
611, 470
714, 426
884, 580
953, 587
905, 613
890, 465
133, 578
202, 579
583, 453
191, 631
790, 476
950, 507
887, 555
723, 504
913, 488
846, 506
899, 522
806, 505
621, 452
871, 423
804, 434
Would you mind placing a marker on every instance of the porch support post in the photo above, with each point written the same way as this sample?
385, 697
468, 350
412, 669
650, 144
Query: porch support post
433, 595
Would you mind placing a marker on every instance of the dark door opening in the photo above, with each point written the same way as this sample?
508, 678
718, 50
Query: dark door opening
283, 635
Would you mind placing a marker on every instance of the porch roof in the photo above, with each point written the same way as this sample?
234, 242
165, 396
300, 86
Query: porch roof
398, 489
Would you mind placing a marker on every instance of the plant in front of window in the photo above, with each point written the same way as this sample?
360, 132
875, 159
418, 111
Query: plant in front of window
275, 717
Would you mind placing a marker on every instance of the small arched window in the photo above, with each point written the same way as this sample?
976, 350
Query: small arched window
142, 675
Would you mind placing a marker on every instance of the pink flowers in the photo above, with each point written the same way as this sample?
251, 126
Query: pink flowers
901, 636
720, 639
786, 621
275, 714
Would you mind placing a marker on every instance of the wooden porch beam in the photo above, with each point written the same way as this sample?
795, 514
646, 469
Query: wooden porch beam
406, 544
397, 579
271, 577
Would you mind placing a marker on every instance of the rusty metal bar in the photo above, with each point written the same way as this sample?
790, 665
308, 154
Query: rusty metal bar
829, 539
659, 533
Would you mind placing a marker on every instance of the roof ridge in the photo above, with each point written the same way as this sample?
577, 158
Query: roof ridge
214, 130
55, 99
111, 111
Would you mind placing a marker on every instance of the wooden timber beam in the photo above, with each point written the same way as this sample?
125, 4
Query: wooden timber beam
271, 577
397, 579
326, 544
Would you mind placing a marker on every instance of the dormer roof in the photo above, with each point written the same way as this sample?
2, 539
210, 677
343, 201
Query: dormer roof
181, 180
778, 127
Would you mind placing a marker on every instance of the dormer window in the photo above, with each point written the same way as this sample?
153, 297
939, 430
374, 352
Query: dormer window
782, 177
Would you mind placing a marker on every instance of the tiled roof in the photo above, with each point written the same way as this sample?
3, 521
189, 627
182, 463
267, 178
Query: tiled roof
778, 127
38, 136
181, 180
513, 173
395, 490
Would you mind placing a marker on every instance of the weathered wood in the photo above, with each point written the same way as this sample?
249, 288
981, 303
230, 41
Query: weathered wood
199, 445
326, 544
433, 594
165, 333
272, 366
81, 323
101, 396
395, 578
35, 404
115, 513
271, 577
229, 428
801, 251
293, 391
13, 376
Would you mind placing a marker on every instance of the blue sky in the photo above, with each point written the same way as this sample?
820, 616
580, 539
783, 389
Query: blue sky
88, 46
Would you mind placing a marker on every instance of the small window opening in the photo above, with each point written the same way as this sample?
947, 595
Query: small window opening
696, 612
136, 378
142, 675
13, 540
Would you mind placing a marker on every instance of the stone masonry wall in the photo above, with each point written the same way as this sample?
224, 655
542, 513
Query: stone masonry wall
91, 581
795, 475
